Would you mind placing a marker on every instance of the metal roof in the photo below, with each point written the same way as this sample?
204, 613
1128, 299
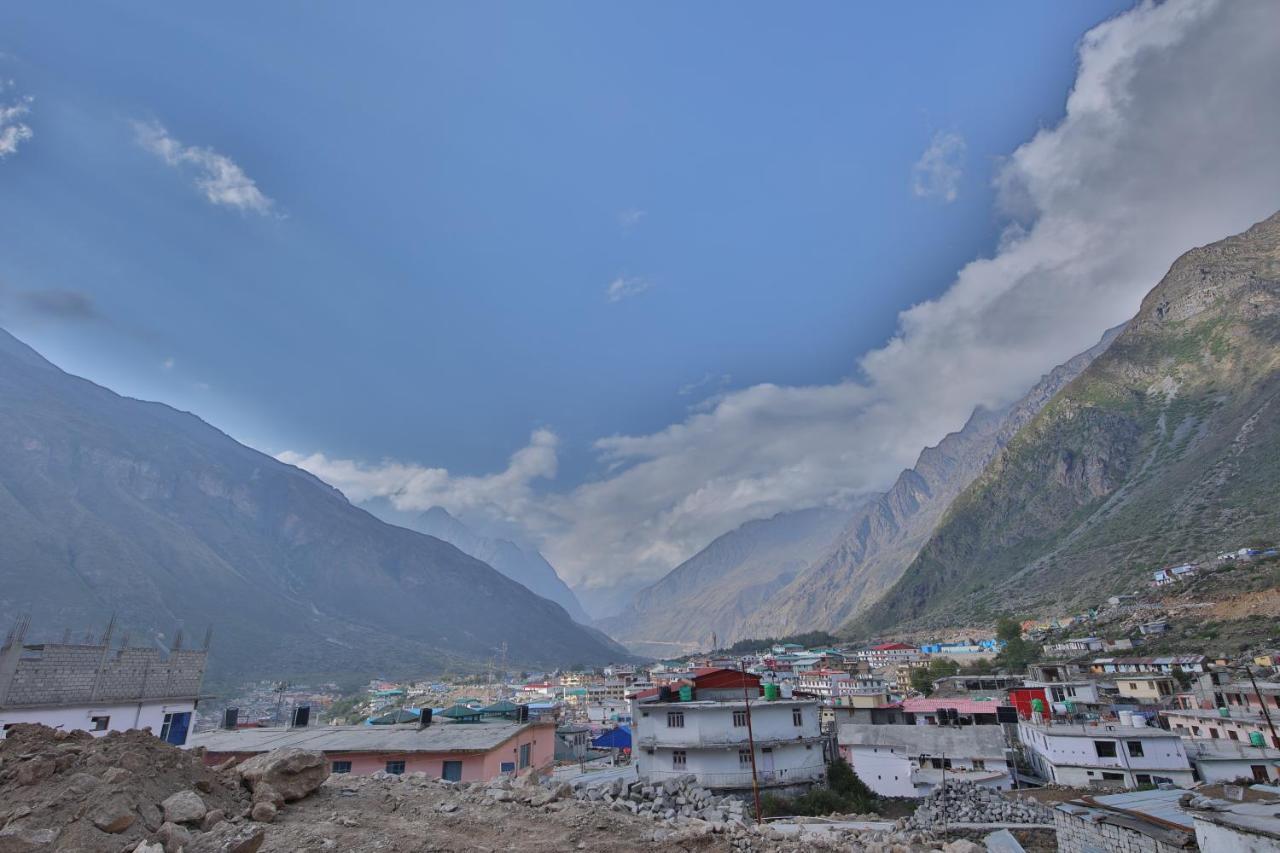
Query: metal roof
441, 737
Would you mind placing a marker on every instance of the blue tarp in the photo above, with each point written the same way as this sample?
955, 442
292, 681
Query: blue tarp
619, 738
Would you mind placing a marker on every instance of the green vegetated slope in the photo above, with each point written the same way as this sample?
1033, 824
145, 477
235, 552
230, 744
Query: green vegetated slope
1167, 447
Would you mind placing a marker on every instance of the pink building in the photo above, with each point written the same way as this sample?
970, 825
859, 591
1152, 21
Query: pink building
458, 751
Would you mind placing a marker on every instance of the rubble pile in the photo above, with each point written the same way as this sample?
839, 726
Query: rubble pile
129, 791
965, 802
677, 797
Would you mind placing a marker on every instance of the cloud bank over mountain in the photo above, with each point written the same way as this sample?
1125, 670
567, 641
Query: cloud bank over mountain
1167, 142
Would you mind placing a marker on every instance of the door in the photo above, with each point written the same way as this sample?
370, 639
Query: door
1259, 772
175, 727
524, 755
766, 764
452, 771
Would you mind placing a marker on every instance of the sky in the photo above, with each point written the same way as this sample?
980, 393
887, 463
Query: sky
611, 279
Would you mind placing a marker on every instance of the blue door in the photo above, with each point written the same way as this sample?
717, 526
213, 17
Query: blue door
175, 728
452, 771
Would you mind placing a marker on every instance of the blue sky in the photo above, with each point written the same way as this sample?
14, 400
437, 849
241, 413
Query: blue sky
441, 228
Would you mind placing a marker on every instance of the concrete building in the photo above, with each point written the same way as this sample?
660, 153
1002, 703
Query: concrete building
1230, 761
458, 751
1224, 724
1146, 688
911, 761
1105, 756
1159, 822
98, 688
706, 733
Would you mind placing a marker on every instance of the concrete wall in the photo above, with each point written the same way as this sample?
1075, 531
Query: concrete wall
721, 767
1212, 837
1079, 834
68, 674
122, 716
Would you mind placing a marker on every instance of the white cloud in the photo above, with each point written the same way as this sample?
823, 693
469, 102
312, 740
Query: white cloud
1099, 205
168, 363
14, 129
938, 171
505, 496
624, 287
220, 180
630, 218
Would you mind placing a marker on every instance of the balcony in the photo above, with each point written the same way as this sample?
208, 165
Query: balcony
674, 738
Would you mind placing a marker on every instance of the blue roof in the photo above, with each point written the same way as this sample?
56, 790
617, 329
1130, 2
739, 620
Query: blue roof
619, 738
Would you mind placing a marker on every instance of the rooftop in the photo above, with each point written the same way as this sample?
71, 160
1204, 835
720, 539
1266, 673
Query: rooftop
1218, 749
966, 741
962, 706
441, 737
1103, 731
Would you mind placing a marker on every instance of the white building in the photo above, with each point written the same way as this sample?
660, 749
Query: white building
707, 734
1229, 761
1105, 755
96, 688
910, 761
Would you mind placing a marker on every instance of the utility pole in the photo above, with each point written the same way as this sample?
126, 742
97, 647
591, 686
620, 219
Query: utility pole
1262, 704
751, 742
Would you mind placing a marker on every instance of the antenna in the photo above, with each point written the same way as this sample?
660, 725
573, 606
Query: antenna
208, 636
106, 635
177, 640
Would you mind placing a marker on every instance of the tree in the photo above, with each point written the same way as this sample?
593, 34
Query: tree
922, 678
1017, 652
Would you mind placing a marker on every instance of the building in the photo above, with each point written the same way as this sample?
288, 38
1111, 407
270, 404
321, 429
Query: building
871, 708
1173, 574
910, 761
457, 751
572, 742
96, 688
1223, 723
1105, 756
705, 726
887, 654
1146, 688
1167, 665
954, 710
1163, 821
1231, 761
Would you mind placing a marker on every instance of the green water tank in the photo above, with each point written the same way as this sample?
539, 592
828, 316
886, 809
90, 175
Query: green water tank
771, 691
1071, 706
1256, 739
1224, 711
1037, 707
686, 693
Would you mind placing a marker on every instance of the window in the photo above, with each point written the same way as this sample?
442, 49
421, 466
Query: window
508, 767
396, 767
1135, 748
679, 758
1213, 733
739, 719
1143, 778
341, 767
525, 755
99, 724
1113, 777
979, 764
675, 719
451, 771
744, 758
1105, 748
174, 729
797, 717
1233, 734
1259, 772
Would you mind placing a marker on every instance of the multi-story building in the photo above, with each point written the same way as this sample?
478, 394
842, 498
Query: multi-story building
1146, 688
1167, 665
1224, 723
911, 761
1230, 761
96, 688
709, 730
1105, 756
887, 654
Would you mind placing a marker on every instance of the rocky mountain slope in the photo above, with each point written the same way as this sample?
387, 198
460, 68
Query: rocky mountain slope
718, 589
109, 504
526, 567
880, 540
1167, 447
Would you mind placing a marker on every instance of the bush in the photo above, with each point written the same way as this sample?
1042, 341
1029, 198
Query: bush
845, 793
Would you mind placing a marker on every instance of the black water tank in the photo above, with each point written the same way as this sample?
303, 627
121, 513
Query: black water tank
424, 718
301, 716
230, 718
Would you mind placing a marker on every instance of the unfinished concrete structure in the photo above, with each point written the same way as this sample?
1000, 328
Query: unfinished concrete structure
98, 687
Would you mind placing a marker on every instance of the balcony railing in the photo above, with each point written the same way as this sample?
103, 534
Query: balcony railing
742, 778
737, 738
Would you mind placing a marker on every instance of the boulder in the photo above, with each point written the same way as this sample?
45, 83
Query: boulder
294, 773
228, 838
173, 837
184, 807
263, 812
113, 815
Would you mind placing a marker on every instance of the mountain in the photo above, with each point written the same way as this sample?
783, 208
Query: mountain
526, 567
109, 504
1166, 448
720, 587
882, 538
